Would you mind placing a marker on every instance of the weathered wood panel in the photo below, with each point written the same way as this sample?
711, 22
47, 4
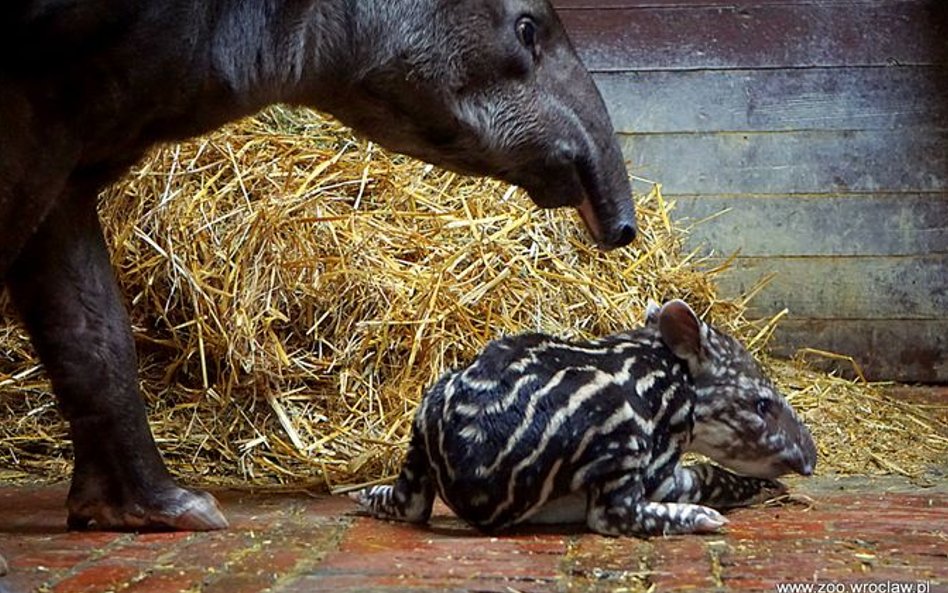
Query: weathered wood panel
890, 349
823, 126
648, 36
777, 100
852, 288
812, 161
809, 225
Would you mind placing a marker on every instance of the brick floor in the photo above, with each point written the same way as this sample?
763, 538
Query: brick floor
855, 530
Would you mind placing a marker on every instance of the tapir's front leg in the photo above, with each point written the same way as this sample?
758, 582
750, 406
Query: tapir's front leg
618, 507
63, 286
715, 486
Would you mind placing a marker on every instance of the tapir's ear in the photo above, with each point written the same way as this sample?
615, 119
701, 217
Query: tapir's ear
682, 332
652, 309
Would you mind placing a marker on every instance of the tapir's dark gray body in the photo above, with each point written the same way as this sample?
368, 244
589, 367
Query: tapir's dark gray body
488, 87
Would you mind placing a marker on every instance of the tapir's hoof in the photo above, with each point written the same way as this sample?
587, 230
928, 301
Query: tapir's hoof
709, 522
177, 510
3, 566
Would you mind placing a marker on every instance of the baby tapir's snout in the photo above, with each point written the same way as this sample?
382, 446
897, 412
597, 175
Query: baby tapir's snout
799, 456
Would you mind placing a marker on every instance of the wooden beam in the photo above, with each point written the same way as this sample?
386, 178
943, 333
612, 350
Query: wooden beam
818, 224
759, 35
792, 162
893, 349
827, 287
872, 98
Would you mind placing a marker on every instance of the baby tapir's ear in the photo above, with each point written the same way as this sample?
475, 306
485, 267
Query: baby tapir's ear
652, 309
681, 331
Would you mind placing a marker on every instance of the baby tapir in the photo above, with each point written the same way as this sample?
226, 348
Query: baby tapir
539, 429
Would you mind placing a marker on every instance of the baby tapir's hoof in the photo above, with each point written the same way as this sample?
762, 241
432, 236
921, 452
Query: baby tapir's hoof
708, 521
646, 519
681, 518
364, 499
175, 509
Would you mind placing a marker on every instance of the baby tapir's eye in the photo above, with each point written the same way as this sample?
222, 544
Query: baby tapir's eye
763, 406
527, 32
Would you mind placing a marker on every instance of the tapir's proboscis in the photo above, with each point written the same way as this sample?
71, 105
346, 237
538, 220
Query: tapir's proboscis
482, 87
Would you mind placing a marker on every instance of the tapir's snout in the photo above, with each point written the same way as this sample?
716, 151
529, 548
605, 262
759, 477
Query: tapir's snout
604, 202
593, 179
607, 209
609, 227
619, 232
804, 459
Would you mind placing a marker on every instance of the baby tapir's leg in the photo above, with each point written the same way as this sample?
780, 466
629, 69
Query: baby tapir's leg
619, 507
715, 486
412, 496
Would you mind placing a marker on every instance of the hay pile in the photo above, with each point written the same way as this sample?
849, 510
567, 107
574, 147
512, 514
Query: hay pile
293, 291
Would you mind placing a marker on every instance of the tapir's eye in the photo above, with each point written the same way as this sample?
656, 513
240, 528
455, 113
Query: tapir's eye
527, 32
763, 406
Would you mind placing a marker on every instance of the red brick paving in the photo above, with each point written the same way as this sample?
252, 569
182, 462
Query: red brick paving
285, 543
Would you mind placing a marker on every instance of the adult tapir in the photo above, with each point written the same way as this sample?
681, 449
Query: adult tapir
483, 87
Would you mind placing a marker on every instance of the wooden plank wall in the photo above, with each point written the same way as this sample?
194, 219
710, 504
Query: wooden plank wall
821, 126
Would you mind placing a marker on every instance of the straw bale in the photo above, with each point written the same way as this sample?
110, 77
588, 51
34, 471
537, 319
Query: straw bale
293, 290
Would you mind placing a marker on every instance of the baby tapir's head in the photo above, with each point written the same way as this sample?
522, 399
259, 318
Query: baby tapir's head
740, 419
